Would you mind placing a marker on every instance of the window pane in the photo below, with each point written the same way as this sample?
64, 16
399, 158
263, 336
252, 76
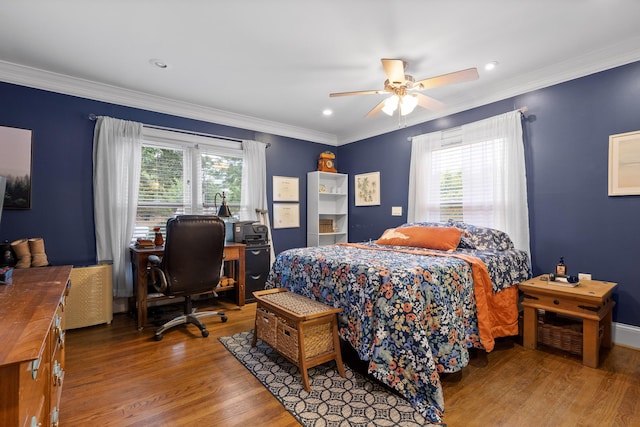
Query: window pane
220, 174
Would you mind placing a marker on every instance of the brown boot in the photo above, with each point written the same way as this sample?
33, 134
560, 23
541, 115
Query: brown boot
38, 256
21, 249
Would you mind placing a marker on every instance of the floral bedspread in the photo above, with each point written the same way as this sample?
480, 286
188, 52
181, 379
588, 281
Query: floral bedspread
410, 316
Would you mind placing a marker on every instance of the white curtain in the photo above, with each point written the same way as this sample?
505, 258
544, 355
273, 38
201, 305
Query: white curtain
490, 153
116, 178
254, 187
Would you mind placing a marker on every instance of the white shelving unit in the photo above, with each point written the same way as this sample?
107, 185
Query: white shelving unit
327, 202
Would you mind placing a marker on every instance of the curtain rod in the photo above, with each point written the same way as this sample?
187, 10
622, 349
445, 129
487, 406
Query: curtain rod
521, 110
94, 117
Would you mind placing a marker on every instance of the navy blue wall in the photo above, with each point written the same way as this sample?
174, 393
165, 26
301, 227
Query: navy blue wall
566, 148
62, 168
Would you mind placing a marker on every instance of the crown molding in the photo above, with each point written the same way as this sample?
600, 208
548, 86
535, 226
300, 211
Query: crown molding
60, 83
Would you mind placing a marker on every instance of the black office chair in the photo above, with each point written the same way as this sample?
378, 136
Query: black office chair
191, 264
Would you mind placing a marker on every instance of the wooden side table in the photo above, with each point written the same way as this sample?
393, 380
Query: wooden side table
590, 301
302, 330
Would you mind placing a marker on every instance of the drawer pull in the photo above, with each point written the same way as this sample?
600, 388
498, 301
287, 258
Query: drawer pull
556, 302
57, 373
256, 277
55, 415
35, 365
34, 422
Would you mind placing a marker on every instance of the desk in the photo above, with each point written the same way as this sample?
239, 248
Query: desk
139, 260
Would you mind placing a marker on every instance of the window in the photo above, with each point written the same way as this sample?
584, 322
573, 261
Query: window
474, 173
185, 174
464, 175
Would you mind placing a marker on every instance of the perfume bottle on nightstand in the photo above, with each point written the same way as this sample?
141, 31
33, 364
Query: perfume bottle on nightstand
561, 268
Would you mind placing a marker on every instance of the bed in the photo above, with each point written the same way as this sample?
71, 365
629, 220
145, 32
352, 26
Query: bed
415, 301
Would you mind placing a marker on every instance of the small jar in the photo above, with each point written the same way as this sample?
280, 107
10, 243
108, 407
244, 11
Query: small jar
158, 240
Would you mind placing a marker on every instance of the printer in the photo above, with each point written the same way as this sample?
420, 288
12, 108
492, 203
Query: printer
250, 233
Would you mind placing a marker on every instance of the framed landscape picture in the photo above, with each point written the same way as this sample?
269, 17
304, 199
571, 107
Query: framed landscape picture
15, 165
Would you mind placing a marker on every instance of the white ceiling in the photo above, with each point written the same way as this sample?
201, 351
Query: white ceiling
270, 65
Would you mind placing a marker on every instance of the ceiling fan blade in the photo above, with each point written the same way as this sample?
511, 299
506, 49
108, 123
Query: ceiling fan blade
394, 69
429, 103
362, 92
375, 110
446, 79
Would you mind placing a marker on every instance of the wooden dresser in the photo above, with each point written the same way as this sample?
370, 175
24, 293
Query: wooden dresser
32, 349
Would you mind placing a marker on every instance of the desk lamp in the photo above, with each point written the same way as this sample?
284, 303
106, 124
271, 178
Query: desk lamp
224, 210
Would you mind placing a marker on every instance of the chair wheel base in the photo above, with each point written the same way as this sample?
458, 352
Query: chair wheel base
157, 337
224, 319
205, 333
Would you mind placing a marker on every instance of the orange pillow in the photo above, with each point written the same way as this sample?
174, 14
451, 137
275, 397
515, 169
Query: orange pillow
442, 238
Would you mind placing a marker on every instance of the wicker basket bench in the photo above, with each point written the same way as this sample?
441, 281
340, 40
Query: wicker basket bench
302, 330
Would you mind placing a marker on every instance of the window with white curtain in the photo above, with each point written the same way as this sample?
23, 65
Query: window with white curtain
474, 173
185, 174
463, 176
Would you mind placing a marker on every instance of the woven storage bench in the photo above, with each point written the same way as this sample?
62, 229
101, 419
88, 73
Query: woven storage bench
302, 330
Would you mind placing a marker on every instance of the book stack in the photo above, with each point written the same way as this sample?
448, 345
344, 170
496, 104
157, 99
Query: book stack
145, 244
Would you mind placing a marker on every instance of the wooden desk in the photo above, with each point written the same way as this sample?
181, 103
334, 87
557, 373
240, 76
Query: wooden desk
139, 260
590, 301
32, 350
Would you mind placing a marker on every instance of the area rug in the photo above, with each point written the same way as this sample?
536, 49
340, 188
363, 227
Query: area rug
354, 401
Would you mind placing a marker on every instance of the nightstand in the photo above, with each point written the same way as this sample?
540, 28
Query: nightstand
590, 301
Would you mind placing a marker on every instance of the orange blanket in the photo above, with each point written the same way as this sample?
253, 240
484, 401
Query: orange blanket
497, 313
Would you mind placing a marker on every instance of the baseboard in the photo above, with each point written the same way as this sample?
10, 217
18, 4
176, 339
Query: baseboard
626, 335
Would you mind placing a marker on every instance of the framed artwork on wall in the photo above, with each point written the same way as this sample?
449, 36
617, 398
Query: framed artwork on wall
285, 189
624, 164
286, 215
15, 165
367, 187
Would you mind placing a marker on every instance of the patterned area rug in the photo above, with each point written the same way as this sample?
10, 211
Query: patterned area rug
333, 400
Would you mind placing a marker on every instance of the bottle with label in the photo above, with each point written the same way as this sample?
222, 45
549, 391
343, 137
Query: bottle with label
561, 268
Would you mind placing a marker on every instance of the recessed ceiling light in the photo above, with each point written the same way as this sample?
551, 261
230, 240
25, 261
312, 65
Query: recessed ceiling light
491, 65
159, 63
327, 112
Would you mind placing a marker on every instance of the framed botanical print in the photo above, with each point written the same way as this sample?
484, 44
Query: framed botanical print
367, 189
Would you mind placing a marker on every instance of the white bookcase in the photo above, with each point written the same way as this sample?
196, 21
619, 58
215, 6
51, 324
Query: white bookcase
327, 207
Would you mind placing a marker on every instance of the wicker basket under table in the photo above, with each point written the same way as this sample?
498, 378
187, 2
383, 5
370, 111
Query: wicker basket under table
302, 330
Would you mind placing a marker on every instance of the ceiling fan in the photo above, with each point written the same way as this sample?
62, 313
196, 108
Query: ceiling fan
403, 87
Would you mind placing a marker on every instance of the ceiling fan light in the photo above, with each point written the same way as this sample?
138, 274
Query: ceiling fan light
390, 105
408, 104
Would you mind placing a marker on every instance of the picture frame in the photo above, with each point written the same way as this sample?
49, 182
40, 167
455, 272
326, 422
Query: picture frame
286, 215
15, 165
286, 189
367, 189
624, 164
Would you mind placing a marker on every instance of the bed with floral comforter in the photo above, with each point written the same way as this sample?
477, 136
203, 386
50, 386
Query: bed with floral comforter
410, 312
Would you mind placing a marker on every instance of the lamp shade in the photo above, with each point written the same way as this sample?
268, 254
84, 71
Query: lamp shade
408, 104
224, 210
390, 105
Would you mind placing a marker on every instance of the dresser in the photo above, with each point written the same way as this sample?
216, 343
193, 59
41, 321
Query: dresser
32, 350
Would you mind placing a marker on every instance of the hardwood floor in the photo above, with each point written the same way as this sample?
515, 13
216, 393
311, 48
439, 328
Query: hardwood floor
118, 376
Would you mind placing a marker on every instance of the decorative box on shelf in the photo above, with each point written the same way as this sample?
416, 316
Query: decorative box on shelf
326, 226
